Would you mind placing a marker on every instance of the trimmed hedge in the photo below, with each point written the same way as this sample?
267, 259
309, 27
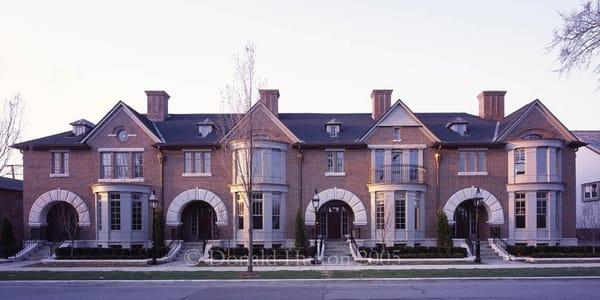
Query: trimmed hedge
109, 253
553, 251
412, 252
262, 253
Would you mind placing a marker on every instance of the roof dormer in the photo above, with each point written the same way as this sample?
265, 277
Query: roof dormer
458, 125
333, 127
205, 127
81, 126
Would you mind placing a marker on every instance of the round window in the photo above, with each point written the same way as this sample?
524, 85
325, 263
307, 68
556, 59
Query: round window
123, 136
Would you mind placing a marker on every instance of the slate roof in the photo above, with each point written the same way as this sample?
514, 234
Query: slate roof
11, 184
180, 130
591, 137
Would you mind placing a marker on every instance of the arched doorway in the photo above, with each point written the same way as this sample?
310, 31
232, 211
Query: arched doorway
335, 220
465, 217
198, 222
63, 222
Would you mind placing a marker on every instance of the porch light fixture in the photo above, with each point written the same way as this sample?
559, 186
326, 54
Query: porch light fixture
477, 201
153, 204
315, 204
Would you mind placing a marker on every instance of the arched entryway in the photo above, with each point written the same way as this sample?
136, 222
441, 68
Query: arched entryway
62, 223
335, 220
198, 222
465, 217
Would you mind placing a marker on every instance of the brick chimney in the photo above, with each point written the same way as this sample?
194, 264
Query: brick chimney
491, 105
158, 105
382, 100
270, 98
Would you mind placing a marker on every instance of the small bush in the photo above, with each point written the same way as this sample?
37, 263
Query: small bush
552, 251
412, 252
220, 253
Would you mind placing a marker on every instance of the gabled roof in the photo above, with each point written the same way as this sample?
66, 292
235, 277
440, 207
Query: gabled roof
11, 184
480, 131
140, 119
82, 122
63, 140
400, 105
309, 127
591, 137
510, 122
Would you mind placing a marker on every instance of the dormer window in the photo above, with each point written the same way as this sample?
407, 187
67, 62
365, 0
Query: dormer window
333, 127
81, 126
458, 125
205, 128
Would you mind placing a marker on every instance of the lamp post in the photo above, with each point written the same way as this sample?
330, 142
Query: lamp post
315, 204
153, 203
477, 201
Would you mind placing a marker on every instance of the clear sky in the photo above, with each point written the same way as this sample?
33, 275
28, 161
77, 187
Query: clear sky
75, 59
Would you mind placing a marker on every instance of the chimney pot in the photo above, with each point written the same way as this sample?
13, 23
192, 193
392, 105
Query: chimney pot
270, 98
158, 105
491, 105
382, 101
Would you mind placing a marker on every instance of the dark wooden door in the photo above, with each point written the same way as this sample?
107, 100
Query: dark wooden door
462, 222
334, 223
197, 222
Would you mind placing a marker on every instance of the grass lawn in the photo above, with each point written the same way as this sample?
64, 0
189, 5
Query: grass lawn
156, 275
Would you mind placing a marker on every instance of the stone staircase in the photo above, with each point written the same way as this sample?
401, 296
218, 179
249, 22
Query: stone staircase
185, 247
337, 253
43, 251
487, 253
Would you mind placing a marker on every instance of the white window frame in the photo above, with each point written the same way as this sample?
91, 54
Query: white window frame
335, 162
520, 159
396, 134
380, 211
203, 157
478, 157
521, 211
590, 188
63, 164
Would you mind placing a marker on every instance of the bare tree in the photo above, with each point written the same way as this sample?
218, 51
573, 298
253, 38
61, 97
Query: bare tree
589, 224
385, 226
243, 126
10, 130
578, 40
68, 222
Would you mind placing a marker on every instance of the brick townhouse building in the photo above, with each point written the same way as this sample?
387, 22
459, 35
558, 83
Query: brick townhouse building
380, 176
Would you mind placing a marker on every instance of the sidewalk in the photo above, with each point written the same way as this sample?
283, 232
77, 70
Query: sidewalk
180, 267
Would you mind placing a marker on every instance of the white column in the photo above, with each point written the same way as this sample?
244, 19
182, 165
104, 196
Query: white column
267, 219
550, 216
390, 232
511, 216
410, 217
530, 219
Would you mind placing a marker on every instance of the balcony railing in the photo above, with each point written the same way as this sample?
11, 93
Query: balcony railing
397, 174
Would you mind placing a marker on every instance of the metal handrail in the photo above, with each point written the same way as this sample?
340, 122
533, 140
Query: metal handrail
397, 173
354, 244
470, 245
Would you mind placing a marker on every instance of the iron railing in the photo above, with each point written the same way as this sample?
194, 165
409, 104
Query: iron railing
397, 173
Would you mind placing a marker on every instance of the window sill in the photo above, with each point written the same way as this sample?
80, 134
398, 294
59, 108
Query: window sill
59, 175
396, 141
335, 174
472, 173
196, 174
590, 199
109, 180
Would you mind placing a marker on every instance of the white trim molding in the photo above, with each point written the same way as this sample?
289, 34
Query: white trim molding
40, 207
120, 149
491, 204
178, 204
402, 146
360, 213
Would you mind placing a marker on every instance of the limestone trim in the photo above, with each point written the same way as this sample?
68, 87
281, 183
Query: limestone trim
491, 204
360, 213
40, 207
178, 204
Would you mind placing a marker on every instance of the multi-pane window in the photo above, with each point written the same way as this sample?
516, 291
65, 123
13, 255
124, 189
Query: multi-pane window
542, 161
276, 163
335, 161
558, 161
379, 164
333, 130
99, 211
396, 165
590, 191
276, 210
471, 161
257, 211
138, 166
542, 209
413, 158
417, 216
121, 165
379, 210
397, 136
196, 162
240, 210
115, 211
400, 209
60, 163
520, 212
136, 212
519, 161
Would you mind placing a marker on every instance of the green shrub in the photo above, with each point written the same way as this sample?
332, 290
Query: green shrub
8, 244
300, 232
444, 239
109, 253
552, 251
220, 253
412, 252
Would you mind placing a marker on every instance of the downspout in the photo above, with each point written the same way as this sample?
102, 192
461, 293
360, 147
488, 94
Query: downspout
161, 160
300, 158
438, 157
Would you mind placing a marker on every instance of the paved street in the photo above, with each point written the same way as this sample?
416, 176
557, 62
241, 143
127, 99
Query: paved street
289, 290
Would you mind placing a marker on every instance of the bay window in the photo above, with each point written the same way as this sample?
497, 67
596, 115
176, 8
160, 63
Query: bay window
115, 211
400, 209
136, 212
276, 211
379, 210
257, 211
519, 161
542, 209
520, 211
